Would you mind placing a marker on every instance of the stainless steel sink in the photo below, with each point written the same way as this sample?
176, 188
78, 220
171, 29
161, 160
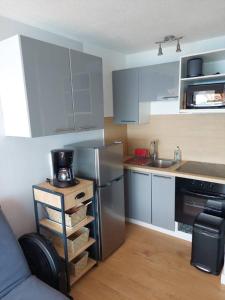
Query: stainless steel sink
162, 163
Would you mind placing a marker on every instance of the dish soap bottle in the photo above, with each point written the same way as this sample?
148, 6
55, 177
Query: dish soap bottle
177, 154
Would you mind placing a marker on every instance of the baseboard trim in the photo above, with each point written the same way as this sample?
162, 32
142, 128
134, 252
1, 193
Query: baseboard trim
176, 233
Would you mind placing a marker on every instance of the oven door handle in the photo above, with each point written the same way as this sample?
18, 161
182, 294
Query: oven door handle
191, 193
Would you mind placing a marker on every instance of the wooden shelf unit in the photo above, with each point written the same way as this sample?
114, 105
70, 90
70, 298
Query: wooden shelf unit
61, 200
58, 228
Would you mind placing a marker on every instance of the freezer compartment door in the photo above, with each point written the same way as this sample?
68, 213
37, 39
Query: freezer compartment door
111, 217
110, 163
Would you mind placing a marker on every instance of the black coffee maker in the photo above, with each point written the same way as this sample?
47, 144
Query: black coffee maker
62, 160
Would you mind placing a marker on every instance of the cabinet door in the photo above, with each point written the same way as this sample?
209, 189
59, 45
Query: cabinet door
126, 96
159, 82
163, 201
87, 85
138, 196
48, 86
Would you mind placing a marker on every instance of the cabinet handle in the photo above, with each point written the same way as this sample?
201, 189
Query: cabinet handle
127, 121
161, 176
64, 129
80, 195
170, 97
140, 173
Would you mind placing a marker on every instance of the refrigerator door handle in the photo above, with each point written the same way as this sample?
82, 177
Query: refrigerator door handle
110, 182
105, 185
118, 179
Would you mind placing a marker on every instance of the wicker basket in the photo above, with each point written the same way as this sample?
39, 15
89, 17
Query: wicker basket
73, 216
79, 264
75, 242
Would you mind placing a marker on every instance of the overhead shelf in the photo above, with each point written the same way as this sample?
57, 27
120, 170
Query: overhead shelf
204, 78
202, 111
213, 63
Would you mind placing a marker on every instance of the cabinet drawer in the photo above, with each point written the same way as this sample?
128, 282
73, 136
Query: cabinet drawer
77, 197
73, 196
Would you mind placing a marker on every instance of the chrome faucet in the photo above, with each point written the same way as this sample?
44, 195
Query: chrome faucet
154, 149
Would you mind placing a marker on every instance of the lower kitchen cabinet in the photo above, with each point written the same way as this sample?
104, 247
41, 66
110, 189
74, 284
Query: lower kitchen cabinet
138, 195
163, 201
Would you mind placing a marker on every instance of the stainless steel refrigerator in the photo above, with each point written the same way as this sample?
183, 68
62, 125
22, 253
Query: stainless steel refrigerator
104, 164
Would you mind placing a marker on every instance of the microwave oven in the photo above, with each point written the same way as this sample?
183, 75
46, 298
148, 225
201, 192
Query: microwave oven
202, 96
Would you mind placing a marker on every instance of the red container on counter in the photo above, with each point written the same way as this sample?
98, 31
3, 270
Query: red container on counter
141, 152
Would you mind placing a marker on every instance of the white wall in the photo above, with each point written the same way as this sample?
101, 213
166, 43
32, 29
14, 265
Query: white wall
169, 54
24, 162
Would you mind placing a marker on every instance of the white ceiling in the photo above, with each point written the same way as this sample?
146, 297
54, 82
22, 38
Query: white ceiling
124, 25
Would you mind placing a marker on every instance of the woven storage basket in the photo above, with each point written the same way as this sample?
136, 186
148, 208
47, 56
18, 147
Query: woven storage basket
79, 264
73, 216
75, 242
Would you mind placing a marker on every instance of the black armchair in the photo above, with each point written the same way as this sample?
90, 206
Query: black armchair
16, 280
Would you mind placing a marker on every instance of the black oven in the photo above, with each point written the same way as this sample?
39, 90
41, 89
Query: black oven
191, 197
203, 96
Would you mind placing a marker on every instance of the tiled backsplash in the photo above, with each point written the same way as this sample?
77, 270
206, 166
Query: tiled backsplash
201, 137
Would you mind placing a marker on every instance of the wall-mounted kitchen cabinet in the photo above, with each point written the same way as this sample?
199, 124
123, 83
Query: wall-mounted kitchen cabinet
87, 83
37, 96
128, 107
159, 82
134, 89
138, 196
163, 201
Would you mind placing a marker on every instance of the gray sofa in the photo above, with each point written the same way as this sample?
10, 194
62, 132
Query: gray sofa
16, 280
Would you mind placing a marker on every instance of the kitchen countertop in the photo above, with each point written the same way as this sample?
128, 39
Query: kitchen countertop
172, 171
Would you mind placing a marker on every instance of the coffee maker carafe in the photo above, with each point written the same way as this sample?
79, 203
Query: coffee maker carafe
62, 168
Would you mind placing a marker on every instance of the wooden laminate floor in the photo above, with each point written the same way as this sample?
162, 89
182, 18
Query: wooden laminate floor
149, 265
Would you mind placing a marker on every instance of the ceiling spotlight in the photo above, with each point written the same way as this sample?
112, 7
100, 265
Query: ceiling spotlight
160, 50
178, 46
168, 39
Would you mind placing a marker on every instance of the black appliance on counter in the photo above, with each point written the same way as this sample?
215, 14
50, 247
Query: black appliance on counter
192, 196
205, 96
62, 160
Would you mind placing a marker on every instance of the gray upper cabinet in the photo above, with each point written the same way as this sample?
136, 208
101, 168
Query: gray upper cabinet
138, 196
159, 82
163, 201
48, 86
87, 84
134, 89
47, 89
127, 105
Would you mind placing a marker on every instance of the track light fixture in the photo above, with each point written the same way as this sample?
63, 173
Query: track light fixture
168, 39
160, 49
